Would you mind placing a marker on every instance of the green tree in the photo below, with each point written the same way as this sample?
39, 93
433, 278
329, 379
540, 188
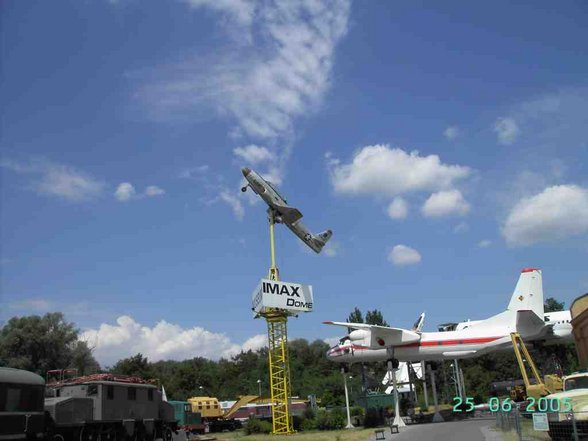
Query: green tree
40, 344
552, 305
83, 360
356, 316
375, 317
136, 366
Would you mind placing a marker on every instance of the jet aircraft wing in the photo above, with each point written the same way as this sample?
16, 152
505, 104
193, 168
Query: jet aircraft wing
381, 336
290, 214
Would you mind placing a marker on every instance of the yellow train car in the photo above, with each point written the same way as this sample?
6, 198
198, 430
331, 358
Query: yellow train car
209, 407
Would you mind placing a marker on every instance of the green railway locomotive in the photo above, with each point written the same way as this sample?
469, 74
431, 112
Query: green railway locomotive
22, 415
103, 407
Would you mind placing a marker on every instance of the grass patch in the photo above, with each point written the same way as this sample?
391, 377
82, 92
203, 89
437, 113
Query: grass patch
331, 435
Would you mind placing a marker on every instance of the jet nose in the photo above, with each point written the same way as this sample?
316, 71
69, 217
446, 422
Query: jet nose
245, 171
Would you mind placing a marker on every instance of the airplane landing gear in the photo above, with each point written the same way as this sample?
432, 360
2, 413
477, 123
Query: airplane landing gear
244, 189
394, 361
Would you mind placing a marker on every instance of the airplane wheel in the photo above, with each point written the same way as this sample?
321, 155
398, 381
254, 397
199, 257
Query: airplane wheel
395, 363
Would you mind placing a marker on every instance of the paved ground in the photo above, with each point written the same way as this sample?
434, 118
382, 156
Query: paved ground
467, 430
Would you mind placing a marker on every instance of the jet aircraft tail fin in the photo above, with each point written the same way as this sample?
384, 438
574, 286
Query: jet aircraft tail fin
528, 294
320, 240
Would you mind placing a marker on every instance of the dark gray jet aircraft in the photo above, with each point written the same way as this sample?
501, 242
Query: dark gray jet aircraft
283, 213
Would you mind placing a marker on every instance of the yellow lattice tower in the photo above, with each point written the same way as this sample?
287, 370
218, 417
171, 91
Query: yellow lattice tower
279, 363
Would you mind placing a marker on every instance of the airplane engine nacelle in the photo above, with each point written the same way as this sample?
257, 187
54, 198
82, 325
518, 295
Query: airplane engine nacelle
360, 335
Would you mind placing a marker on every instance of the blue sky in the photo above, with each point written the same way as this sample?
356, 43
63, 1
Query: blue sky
444, 144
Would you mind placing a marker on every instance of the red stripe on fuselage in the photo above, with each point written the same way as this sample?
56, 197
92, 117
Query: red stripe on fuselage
463, 341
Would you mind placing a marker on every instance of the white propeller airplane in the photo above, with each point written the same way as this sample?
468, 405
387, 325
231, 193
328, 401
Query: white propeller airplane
524, 315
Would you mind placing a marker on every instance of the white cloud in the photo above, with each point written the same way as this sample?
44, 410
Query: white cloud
402, 255
240, 11
58, 180
125, 192
164, 341
194, 172
506, 130
445, 203
558, 212
331, 249
154, 190
253, 154
234, 203
484, 243
462, 227
279, 71
451, 132
255, 343
398, 208
379, 169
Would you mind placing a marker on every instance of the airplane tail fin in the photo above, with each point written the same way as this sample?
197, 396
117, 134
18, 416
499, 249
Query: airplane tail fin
528, 294
320, 240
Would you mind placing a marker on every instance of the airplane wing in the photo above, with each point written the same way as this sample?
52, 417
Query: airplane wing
290, 214
377, 337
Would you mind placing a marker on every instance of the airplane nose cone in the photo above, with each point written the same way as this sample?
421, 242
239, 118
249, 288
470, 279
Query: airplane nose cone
245, 171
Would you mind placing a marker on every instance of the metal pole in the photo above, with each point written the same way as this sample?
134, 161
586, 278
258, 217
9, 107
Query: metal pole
392, 372
463, 390
349, 425
424, 374
457, 378
364, 389
273, 272
437, 418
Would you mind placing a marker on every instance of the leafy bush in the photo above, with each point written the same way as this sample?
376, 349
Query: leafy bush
357, 411
333, 420
257, 426
308, 424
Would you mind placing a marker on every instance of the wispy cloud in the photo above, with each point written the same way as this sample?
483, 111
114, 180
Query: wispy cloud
452, 132
234, 202
194, 172
283, 73
484, 243
57, 180
35, 305
507, 130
